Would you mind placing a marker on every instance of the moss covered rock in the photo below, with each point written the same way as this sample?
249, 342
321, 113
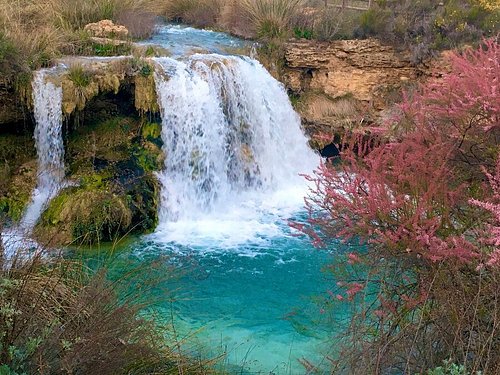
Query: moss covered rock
18, 168
81, 215
112, 165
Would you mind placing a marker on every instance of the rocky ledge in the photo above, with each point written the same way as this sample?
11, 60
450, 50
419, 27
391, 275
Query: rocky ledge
344, 83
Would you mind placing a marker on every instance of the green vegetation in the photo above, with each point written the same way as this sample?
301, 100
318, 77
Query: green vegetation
422, 26
449, 368
112, 163
79, 76
33, 32
423, 194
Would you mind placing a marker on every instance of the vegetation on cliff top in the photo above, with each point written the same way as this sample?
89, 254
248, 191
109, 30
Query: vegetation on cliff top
33, 32
422, 26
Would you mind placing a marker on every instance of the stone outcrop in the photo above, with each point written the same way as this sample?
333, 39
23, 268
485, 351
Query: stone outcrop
344, 84
106, 29
107, 76
361, 68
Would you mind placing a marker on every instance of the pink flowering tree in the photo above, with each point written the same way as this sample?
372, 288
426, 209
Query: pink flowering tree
418, 199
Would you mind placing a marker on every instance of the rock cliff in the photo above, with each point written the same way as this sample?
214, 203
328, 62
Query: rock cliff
335, 81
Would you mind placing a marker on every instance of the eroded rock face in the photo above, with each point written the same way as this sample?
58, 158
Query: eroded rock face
345, 85
107, 76
106, 29
363, 69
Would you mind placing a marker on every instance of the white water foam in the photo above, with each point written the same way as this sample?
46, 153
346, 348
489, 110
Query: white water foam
234, 150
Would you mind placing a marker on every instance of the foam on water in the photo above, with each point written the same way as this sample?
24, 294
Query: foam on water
234, 154
234, 151
181, 40
47, 104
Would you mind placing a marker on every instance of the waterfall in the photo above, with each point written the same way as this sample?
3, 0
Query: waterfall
47, 102
232, 140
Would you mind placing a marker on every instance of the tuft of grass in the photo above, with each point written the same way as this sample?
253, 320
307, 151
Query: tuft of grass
79, 75
271, 18
35, 32
61, 317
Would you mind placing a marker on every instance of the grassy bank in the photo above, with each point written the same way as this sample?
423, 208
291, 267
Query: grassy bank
422, 26
33, 33
59, 317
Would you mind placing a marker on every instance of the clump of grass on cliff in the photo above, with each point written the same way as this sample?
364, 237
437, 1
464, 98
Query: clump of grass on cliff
271, 18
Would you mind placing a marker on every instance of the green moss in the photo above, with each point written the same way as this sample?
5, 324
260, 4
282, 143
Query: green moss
85, 215
109, 140
110, 49
117, 192
94, 180
12, 208
148, 156
151, 131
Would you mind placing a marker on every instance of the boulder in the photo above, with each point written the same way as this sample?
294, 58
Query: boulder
106, 29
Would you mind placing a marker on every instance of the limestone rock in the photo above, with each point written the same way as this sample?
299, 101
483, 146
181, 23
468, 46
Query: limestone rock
335, 79
106, 29
355, 67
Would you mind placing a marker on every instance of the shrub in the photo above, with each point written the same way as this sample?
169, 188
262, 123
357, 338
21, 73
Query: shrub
335, 23
75, 14
79, 76
425, 25
235, 19
139, 23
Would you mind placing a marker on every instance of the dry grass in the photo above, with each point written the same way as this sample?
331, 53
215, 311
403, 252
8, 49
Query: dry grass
61, 318
200, 13
344, 111
271, 18
34, 32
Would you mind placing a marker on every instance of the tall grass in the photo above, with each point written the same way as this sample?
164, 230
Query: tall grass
31, 40
271, 18
34, 32
75, 14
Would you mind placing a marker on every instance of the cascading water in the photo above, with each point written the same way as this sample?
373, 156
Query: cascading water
234, 149
234, 154
47, 102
